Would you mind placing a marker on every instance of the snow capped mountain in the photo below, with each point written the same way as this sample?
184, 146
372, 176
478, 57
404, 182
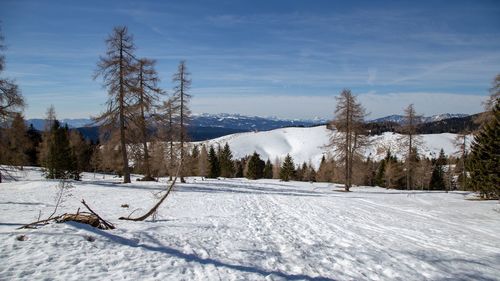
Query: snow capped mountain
438, 117
444, 116
249, 123
309, 144
223, 120
39, 124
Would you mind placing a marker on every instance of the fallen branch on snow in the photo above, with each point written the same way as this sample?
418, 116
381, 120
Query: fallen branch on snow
91, 218
157, 205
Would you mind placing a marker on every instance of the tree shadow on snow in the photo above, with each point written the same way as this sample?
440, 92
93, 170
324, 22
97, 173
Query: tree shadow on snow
460, 268
194, 258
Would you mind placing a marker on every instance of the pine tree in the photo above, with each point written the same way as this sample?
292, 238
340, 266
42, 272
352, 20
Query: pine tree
268, 170
287, 171
213, 163
379, 177
35, 138
226, 162
255, 167
437, 178
484, 161
82, 151
61, 163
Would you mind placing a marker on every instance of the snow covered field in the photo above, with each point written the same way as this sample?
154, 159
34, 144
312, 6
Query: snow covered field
237, 229
308, 144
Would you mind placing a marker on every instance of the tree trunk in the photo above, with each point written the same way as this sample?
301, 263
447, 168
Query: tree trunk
144, 132
126, 173
182, 123
170, 136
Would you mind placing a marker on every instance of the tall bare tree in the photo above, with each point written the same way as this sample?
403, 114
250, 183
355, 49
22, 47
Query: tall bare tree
183, 83
147, 94
117, 70
168, 126
11, 100
490, 102
411, 142
43, 148
350, 139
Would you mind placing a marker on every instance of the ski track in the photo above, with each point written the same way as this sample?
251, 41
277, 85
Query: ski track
237, 229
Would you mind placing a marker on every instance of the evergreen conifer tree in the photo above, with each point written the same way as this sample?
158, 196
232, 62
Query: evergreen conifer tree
226, 162
255, 167
268, 170
484, 161
213, 163
379, 177
437, 177
61, 163
287, 171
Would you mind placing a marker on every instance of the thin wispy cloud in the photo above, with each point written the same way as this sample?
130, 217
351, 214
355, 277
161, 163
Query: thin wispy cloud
242, 50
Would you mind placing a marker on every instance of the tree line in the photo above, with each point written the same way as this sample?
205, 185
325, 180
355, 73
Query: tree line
136, 104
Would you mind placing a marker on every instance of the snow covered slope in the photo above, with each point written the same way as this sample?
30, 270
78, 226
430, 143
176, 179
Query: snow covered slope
309, 144
237, 229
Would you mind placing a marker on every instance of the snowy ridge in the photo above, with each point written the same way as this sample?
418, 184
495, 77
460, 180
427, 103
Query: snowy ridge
438, 117
309, 144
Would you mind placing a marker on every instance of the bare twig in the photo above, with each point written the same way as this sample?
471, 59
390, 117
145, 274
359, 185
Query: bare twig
107, 224
157, 205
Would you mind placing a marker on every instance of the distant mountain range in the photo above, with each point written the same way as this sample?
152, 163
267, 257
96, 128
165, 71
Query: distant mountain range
39, 124
202, 126
399, 119
209, 126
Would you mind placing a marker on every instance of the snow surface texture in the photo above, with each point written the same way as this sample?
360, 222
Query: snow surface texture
237, 229
309, 144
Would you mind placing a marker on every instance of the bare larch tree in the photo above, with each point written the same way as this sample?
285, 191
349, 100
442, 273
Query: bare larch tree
411, 142
183, 83
147, 95
347, 143
11, 103
167, 126
11, 100
117, 70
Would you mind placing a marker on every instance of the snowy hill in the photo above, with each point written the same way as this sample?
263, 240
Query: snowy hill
308, 144
238, 229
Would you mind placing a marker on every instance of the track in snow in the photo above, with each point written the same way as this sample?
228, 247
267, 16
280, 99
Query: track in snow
239, 229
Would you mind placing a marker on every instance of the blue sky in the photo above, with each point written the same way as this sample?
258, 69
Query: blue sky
268, 58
